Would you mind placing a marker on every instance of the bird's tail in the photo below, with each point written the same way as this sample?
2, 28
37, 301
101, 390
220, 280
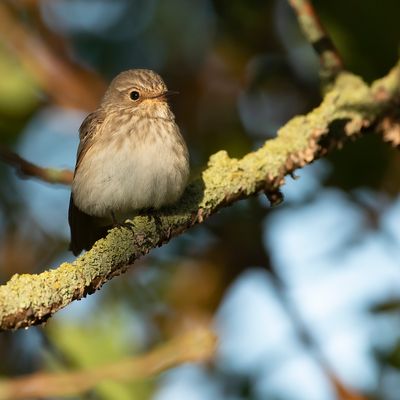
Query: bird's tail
85, 230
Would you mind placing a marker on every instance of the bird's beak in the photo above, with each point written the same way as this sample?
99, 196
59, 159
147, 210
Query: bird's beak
170, 93
163, 96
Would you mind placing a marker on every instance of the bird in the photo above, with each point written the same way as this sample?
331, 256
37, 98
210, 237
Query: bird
131, 157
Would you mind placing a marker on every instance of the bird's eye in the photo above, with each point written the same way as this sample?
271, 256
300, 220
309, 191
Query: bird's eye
134, 95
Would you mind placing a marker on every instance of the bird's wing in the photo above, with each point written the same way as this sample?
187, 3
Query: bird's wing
87, 131
84, 231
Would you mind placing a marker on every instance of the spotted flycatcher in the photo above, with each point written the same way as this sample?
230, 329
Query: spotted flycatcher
131, 156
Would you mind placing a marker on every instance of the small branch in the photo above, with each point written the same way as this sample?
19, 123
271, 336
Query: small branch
348, 108
197, 345
331, 62
306, 337
27, 169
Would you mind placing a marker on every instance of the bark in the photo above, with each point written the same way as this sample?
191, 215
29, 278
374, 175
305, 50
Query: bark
347, 109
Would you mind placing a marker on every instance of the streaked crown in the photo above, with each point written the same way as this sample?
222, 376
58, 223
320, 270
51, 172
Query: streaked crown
144, 79
130, 88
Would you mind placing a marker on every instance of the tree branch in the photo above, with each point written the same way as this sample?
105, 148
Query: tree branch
331, 62
198, 345
27, 169
347, 108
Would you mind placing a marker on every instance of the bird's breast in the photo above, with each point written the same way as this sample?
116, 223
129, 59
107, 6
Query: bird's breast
132, 169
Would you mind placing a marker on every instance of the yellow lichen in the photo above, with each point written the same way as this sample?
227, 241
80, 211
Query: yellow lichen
25, 299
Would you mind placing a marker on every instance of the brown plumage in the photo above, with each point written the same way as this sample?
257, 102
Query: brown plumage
131, 156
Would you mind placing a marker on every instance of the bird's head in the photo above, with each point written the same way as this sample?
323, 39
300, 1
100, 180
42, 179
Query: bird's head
140, 90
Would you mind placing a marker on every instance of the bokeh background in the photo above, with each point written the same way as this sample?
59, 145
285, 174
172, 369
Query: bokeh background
305, 297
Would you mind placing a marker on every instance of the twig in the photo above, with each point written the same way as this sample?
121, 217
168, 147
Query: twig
197, 345
306, 337
26, 168
351, 104
331, 62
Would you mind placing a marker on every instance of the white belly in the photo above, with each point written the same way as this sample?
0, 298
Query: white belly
122, 179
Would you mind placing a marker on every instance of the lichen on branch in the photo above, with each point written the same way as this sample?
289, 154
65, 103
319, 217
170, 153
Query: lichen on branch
351, 104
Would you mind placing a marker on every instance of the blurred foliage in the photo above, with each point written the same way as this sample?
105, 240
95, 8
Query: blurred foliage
366, 33
242, 69
97, 342
364, 163
18, 96
18, 92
